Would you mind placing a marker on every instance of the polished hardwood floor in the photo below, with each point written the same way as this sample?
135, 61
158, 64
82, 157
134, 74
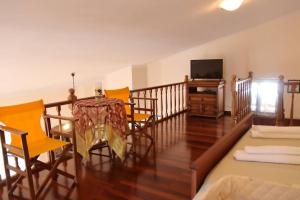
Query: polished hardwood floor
163, 174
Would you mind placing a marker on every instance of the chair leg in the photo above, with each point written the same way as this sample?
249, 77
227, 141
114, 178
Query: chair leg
30, 179
5, 162
53, 170
143, 132
76, 163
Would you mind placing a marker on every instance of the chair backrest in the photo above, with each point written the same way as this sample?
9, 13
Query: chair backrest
122, 93
24, 117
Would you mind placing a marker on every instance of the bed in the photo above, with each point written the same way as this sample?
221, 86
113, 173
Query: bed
218, 162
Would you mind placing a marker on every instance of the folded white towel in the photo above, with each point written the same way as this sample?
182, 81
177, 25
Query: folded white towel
275, 135
277, 129
289, 150
268, 158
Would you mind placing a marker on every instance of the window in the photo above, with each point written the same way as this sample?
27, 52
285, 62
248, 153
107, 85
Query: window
264, 96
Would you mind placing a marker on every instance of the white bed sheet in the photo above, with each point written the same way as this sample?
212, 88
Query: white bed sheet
278, 173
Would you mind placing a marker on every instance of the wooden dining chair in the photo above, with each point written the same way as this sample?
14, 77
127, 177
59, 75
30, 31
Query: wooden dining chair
140, 118
28, 142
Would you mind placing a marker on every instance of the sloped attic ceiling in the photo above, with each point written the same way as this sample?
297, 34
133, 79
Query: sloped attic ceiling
43, 41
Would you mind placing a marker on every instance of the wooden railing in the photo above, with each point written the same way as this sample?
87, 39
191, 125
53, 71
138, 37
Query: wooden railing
171, 99
241, 97
58, 106
292, 87
280, 105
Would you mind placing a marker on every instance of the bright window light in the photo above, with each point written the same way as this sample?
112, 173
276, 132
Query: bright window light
264, 96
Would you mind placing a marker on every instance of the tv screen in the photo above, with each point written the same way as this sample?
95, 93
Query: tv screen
207, 69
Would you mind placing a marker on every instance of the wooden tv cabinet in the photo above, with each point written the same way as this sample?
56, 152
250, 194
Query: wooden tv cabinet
205, 98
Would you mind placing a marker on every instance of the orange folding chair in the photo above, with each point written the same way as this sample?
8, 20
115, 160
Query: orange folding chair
140, 118
28, 142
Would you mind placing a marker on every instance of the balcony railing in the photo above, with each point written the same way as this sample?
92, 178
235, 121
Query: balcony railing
171, 99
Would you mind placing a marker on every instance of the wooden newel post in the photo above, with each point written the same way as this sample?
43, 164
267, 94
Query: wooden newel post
234, 98
293, 87
72, 97
251, 75
280, 106
186, 81
250, 91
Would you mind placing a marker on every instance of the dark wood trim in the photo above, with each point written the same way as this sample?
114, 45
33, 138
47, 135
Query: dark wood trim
206, 162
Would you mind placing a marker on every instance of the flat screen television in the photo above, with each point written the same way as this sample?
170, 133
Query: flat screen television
207, 69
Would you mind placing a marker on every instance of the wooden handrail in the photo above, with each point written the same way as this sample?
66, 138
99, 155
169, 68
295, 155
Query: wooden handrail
241, 97
61, 103
156, 87
280, 112
169, 100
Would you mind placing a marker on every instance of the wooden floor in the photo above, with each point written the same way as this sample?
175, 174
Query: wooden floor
163, 174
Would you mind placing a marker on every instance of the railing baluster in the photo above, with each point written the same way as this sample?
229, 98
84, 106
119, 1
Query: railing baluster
58, 109
175, 96
249, 97
182, 95
156, 104
238, 102
171, 100
245, 99
166, 92
138, 101
244, 106
241, 105
179, 98
150, 95
145, 102
161, 103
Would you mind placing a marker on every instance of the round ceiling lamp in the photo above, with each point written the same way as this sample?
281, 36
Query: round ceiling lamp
230, 5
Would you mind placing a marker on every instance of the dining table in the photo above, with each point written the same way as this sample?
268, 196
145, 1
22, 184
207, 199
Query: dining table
98, 120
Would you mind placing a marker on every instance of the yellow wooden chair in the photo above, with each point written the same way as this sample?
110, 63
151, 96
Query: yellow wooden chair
28, 141
139, 121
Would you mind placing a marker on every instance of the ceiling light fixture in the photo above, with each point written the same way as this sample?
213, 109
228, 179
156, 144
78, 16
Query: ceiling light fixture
231, 5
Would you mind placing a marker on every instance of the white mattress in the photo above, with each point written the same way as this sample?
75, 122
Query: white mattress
278, 173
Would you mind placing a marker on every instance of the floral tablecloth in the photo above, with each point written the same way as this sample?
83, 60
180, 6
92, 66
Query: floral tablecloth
98, 120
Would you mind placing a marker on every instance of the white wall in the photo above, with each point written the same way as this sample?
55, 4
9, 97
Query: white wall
139, 76
118, 79
268, 50
134, 77
49, 94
